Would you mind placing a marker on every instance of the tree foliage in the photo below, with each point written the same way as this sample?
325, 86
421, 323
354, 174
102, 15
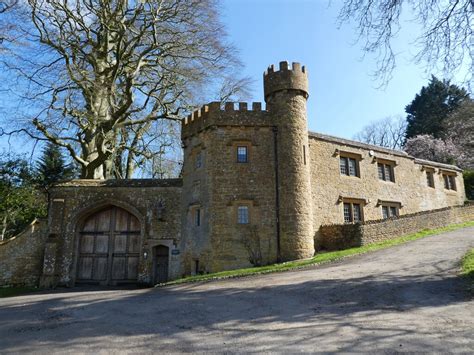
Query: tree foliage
428, 147
459, 128
97, 75
468, 176
429, 108
388, 132
446, 30
52, 167
20, 201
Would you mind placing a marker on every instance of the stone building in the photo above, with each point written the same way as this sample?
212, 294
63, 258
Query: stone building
256, 188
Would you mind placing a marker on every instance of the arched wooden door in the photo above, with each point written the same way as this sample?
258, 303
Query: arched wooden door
109, 248
160, 263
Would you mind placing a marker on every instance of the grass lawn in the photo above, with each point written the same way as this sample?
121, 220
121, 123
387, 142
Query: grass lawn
15, 291
467, 268
328, 257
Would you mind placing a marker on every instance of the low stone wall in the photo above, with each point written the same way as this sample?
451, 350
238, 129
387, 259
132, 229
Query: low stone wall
21, 257
343, 236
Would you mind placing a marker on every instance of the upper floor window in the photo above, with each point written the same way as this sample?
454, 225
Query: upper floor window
429, 178
385, 172
243, 215
449, 182
352, 212
242, 154
348, 166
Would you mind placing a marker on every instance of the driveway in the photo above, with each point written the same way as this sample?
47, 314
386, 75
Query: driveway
407, 298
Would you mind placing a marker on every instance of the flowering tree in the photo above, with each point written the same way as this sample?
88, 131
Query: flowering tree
427, 147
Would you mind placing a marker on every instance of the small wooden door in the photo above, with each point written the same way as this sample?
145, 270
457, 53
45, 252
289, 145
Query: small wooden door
160, 263
109, 248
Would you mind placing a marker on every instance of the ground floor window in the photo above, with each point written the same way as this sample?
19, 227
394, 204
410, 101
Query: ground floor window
352, 212
389, 211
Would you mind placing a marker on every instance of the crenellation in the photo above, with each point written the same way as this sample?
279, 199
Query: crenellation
229, 113
254, 182
256, 106
242, 106
284, 65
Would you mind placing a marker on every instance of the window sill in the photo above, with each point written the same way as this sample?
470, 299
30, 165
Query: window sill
349, 176
452, 192
387, 181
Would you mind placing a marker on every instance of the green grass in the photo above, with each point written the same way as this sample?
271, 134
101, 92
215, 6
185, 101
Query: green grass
467, 268
324, 257
15, 291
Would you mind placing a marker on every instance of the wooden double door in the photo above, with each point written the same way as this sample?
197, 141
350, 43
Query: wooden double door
109, 248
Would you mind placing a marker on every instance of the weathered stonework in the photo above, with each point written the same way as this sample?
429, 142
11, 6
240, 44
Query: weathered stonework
409, 189
343, 236
21, 257
289, 184
71, 203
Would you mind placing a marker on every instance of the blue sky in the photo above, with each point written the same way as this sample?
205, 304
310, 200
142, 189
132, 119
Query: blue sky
343, 94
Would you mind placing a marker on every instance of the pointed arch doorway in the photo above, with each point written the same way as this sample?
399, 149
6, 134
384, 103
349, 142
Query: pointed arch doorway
109, 248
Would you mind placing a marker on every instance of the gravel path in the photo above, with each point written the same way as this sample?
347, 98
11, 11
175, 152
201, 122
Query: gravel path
407, 298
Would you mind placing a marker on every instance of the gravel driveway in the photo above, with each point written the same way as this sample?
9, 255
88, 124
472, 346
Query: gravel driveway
407, 298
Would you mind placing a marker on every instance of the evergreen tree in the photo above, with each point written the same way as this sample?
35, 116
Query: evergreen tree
20, 201
431, 106
52, 167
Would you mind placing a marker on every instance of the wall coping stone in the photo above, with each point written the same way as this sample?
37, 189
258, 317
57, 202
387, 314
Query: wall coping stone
376, 148
121, 183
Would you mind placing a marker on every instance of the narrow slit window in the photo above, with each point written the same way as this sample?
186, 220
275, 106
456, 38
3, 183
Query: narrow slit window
198, 162
197, 217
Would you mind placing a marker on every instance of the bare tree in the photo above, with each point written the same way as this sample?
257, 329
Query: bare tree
388, 132
6, 5
446, 31
98, 75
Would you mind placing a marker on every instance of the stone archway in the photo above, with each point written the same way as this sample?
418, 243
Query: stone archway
108, 250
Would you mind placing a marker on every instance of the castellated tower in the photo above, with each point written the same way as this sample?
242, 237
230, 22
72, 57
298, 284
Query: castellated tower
286, 92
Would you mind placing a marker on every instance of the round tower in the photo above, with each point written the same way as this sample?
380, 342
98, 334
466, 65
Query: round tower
286, 92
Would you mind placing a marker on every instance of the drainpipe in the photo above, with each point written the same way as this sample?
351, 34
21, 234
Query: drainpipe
277, 192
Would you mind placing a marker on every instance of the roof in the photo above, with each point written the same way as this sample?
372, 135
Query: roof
376, 148
122, 183
439, 165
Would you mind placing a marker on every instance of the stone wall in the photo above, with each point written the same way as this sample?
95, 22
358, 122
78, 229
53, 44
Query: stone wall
343, 236
219, 186
21, 257
409, 191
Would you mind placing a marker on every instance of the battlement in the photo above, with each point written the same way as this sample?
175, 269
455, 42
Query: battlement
230, 113
286, 78
285, 66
